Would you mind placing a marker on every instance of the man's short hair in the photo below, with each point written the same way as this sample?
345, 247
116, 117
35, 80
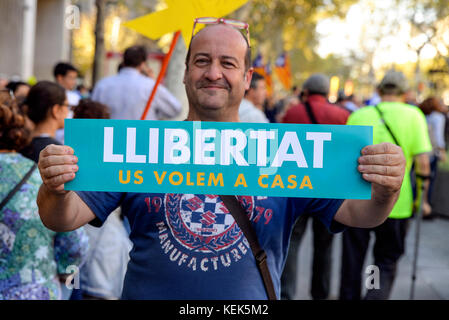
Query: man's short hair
317, 84
134, 56
256, 77
247, 54
393, 83
62, 68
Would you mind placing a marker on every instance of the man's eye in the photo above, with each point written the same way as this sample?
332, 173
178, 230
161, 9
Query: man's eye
201, 61
228, 64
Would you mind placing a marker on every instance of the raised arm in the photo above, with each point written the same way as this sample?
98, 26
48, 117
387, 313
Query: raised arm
60, 210
384, 166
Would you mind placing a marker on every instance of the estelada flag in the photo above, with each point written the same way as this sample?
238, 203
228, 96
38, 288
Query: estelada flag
258, 65
282, 69
265, 71
268, 79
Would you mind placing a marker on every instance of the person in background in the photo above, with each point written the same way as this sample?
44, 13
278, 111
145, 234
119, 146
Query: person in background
410, 97
89, 109
313, 109
273, 108
101, 277
83, 91
373, 100
279, 108
436, 122
314, 93
405, 125
346, 102
126, 94
293, 98
34, 260
47, 107
66, 75
251, 107
20, 89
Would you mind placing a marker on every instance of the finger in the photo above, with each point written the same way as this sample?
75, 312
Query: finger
57, 181
394, 171
53, 149
381, 148
53, 171
49, 161
386, 181
381, 159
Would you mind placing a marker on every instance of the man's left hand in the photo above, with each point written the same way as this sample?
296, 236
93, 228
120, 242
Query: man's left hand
383, 165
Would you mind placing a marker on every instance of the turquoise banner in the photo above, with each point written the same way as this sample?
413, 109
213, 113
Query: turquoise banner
291, 160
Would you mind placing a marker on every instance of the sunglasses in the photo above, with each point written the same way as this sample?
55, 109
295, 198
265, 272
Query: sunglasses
233, 23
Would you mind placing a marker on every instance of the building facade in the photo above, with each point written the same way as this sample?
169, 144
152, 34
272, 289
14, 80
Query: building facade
35, 34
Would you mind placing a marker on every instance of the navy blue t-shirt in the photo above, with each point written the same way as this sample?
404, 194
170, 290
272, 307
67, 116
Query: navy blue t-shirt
188, 246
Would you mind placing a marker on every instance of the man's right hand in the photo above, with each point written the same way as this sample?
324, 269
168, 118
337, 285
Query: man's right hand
57, 165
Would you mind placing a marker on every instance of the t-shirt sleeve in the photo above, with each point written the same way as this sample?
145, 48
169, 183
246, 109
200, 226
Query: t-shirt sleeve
323, 209
101, 204
420, 142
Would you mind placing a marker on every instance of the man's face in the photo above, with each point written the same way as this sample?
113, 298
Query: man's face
216, 79
68, 81
258, 94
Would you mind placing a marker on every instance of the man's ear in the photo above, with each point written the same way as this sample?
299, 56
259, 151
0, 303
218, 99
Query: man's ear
247, 77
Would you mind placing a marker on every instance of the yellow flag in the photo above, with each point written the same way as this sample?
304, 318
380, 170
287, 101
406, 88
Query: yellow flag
180, 15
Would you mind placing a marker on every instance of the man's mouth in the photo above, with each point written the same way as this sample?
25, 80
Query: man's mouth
213, 86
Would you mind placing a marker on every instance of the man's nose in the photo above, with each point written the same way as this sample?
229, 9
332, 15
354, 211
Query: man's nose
214, 72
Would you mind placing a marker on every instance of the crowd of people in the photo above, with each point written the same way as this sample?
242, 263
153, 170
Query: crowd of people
45, 230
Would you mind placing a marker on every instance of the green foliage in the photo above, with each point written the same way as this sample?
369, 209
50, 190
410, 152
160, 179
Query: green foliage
278, 25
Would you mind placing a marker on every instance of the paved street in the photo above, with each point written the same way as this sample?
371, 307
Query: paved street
433, 264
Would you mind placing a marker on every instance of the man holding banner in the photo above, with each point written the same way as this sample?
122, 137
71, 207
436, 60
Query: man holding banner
188, 246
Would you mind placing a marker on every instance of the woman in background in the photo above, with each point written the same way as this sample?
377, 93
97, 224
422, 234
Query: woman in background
32, 257
47, 107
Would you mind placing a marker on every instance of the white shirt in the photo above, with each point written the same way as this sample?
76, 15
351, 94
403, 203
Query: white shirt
107, 259
73, 98
248, 112
436, 122
126, 94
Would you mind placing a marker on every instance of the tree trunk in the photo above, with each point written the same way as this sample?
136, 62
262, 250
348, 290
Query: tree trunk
99, 55
175, 74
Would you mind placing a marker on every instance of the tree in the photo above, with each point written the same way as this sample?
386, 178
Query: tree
278, 25
423, 16
99, 55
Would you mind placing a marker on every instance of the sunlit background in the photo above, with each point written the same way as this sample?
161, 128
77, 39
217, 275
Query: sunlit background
354, 42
